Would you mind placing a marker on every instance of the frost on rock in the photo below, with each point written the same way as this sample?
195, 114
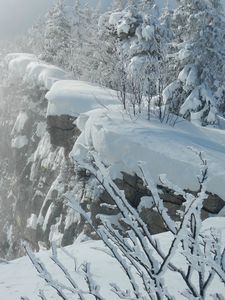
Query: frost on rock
32, 222
71, 97
21, 120
41, 129
19, 142
55, 235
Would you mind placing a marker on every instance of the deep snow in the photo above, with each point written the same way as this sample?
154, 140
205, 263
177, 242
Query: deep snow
122, 142
19, 278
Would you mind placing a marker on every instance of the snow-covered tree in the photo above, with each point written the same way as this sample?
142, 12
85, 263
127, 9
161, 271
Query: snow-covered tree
141, 48
35, 37
84, 44
197, 65
57, 35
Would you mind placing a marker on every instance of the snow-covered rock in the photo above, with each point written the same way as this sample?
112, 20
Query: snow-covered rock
71, 97
32, 70
21, 120
122, 143
19, 142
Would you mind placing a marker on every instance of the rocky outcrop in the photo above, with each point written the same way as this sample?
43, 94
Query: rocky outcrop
36, 172
135, 189
62, 131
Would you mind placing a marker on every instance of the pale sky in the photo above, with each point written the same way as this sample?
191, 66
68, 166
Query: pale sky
16, 16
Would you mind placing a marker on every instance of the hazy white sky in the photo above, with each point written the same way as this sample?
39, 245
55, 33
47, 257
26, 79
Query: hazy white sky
17, 15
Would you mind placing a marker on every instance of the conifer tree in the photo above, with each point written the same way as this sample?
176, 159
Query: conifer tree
57, 36
141, 45
197, 62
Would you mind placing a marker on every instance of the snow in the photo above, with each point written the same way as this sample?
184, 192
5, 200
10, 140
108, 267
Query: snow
19, 278
41, 128
146, 202
48, 214
30, 69
72, 97
32, 222
121, 22
17, 62
169, 90
148, 32
192, 102
49, 159
55, 235
184, 54
19, 142
122, 143
21, 120
192, 79
115, 18
44, 73
71, 218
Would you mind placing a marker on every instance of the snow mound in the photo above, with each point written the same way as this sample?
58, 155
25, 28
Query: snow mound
44, 74
71, 97
28, 68
19, 277
122, 143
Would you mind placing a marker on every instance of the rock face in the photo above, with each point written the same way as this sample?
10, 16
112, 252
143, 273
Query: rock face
134, 191
36, 172
62, 131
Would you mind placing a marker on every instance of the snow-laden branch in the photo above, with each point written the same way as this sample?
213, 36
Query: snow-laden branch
137, 250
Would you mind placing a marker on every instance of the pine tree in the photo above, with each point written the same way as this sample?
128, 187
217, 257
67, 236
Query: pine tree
197, 62
141, 46
84, 41
35, 37
57, 36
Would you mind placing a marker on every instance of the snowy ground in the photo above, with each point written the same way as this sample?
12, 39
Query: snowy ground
19, 278
122, 142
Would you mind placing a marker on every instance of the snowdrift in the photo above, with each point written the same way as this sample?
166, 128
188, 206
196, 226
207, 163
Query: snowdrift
122, 143
30, 69
73, 97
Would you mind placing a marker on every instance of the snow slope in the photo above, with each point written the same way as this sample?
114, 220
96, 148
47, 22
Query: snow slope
122, 142
19, 278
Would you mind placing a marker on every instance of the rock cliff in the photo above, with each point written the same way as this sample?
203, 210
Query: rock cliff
37, 170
